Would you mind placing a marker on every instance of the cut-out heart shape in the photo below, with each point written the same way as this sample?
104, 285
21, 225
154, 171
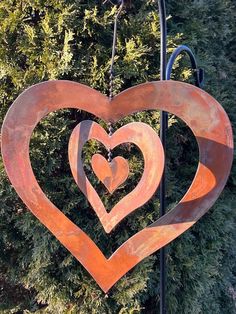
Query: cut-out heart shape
150, 145
112, 174
200, 111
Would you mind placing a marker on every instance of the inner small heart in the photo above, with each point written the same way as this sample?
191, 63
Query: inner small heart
111, 174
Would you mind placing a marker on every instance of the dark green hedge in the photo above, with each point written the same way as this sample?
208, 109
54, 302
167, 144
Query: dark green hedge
55, 39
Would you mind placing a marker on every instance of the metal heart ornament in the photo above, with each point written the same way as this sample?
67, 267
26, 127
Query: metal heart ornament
200, 111
150, 145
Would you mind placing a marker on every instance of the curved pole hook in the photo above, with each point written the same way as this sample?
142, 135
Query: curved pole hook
198, 72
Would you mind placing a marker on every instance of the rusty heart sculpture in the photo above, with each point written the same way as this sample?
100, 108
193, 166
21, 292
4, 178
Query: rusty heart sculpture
150, 145
201, 112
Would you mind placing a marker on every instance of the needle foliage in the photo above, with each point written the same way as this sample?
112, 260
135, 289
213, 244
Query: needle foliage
55, 39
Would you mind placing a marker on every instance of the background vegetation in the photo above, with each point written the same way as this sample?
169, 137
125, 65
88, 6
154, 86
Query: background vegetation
55, 39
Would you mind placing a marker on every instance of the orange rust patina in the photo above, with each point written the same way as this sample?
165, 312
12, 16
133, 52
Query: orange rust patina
201, 112
150, 145
112, 174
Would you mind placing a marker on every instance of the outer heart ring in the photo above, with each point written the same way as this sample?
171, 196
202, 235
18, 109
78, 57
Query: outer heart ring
201, 112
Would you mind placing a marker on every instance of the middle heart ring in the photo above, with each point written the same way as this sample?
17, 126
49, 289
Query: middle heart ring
138, 133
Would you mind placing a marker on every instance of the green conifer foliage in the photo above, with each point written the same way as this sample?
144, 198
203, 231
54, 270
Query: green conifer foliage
55, 39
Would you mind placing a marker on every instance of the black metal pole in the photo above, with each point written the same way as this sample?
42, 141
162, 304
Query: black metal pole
163, 127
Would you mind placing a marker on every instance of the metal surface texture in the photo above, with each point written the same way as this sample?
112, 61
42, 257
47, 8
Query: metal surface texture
140, 134
200, 111
111, 174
